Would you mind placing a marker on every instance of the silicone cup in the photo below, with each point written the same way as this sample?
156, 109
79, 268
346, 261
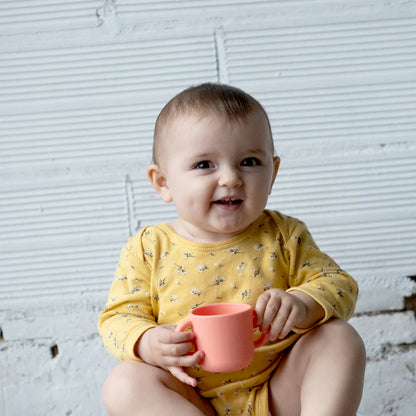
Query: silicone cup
224, 336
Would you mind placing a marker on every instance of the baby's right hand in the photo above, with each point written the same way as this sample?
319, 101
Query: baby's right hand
164, 347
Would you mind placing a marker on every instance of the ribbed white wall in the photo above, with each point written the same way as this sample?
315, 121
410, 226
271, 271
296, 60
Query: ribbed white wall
81, 83
29, 16
78, 108
87, 135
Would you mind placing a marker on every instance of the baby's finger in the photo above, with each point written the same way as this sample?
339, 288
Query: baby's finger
184, 360
272, 312
261, 305
192, 359
279, 322
170, 336
289, 324
176, 350
182, 376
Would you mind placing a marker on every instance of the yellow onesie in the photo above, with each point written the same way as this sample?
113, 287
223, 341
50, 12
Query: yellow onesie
161, 277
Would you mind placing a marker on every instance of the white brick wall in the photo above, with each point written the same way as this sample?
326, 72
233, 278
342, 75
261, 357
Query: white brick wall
80, 86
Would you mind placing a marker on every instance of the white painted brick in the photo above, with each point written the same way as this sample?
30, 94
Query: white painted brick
24, 360
74, 321
384, 292
69, 383
383, 331
390, 386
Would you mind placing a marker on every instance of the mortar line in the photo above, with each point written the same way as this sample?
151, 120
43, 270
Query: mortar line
130, 205
221, 56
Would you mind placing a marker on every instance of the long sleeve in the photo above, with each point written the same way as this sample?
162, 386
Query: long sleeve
316, 274
128, 312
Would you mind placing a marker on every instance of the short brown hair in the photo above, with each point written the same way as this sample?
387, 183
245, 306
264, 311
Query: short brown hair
220, 99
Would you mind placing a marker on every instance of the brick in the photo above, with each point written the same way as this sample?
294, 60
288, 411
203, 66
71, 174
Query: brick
382, 332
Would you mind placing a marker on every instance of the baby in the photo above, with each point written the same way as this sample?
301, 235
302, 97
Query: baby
214, 158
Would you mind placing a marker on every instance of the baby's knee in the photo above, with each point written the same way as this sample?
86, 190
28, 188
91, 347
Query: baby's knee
345, 333
341, 335
116, 385
125, 383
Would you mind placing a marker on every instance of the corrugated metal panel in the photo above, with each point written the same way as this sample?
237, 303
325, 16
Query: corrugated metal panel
61, 209
93, 70
25, 16
340, 90
342, 116
373, 248
60, 237
321, 50
216, 7
85, 135
66, 268
365, 184
60, 104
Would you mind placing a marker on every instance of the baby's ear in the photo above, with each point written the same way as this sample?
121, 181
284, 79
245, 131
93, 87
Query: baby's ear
276, 164
159, 182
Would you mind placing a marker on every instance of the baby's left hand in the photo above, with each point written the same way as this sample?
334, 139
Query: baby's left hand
284, 311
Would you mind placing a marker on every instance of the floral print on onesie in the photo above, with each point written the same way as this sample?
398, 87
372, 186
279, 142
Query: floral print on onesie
161, 277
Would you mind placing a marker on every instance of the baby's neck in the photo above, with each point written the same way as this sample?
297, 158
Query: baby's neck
192, 233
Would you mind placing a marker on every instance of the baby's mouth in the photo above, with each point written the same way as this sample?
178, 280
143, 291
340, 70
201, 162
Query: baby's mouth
228, 201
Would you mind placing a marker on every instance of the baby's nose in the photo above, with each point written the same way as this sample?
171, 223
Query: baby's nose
230, 177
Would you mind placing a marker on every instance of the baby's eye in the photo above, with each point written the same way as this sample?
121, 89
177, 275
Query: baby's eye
250, 161
204, 164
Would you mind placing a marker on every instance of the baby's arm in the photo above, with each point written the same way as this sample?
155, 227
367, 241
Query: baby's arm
163, 347
318, 288
128, 327
283, 311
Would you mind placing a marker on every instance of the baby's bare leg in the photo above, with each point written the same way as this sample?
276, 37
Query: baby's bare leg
134, 388
322, 374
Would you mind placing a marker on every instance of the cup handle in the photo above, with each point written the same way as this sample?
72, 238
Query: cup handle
264, 337
186, 323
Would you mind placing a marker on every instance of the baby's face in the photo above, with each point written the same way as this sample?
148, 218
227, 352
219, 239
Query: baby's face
218, 174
